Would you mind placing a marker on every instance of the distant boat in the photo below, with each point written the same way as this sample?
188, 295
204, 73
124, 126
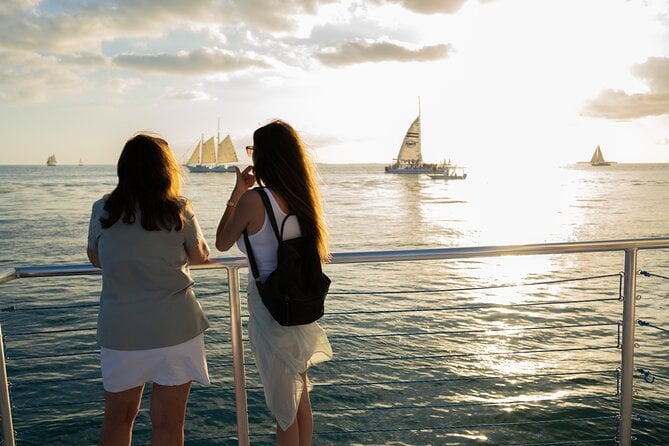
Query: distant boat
213, 155
51, 160
410, 159
598, 159
451, 172
81, 163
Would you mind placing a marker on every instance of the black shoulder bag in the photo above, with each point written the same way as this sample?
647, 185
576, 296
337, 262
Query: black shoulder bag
294, 293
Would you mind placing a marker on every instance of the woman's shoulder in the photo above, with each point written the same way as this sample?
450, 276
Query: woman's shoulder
186, 207
99, 204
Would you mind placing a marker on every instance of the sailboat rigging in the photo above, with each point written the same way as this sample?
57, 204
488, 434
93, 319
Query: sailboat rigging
213, 155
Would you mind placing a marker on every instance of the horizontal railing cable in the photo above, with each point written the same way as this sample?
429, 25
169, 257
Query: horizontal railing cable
648, 274
470, 355
470, 307
446, 356
467, 426
475, 288
471, 331
534, 401
648, 324
464, 378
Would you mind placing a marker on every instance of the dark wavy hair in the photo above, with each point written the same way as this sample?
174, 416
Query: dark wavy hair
149, 180
282, 163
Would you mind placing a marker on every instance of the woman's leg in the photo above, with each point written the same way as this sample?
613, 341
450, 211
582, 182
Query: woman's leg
168, 411
120, 411
305, 419
302, 429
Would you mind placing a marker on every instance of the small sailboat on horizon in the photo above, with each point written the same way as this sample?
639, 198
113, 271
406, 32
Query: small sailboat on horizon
213, 155
51, 160
598, 158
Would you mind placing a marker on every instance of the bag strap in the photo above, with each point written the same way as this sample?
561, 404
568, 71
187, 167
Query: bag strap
275, 227
270, 213
252, 259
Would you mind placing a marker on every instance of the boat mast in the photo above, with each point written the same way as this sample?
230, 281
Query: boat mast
201, 148
218, 141
420, 137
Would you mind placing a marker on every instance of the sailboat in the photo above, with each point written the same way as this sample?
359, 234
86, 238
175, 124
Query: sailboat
410, 159
213, 155
51, 160
598, 159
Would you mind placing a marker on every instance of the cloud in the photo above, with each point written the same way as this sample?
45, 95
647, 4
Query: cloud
120, 85
75, 26
88, 59
192, 95
197, 62
429, 6
617, 104
356, 52
28, 77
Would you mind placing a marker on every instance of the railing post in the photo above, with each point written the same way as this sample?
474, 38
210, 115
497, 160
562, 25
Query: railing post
5, 403
627, 372
238, 357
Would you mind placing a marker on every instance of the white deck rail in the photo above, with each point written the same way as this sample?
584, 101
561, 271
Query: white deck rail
233, 265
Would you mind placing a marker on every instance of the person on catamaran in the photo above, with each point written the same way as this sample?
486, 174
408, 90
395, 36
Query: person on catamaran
282, 353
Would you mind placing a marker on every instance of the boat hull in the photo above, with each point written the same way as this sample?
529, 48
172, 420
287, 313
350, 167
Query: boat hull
448, 176
205, 169
417, 170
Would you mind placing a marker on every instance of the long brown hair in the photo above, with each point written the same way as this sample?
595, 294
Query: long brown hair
282, 163
149, 179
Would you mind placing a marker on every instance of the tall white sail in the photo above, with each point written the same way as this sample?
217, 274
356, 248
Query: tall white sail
598, 158
209, 151
195, 156
226, 151
410, 150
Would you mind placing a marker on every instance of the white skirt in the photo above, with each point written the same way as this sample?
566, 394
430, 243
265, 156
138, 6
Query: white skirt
281, 355
167, 366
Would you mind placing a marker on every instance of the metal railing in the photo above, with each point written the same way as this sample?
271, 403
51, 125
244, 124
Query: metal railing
233, 265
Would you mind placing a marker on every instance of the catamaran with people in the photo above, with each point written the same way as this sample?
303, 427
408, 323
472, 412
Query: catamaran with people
410, 158
213, 155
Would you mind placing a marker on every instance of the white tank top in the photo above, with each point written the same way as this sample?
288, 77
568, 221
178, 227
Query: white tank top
264, 242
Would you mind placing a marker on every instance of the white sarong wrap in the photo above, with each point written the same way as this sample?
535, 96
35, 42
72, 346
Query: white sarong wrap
281, 355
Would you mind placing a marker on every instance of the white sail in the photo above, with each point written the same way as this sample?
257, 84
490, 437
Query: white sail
208, 151
226, 151
195, 156
598, 158
213, 155
410, 151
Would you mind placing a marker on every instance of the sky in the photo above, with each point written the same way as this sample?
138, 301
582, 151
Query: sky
504, 83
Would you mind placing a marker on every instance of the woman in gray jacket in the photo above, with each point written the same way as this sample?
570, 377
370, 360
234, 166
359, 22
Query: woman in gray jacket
150, 326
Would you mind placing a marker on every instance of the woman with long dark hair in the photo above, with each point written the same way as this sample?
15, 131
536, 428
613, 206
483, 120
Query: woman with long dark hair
282, 166
150, 325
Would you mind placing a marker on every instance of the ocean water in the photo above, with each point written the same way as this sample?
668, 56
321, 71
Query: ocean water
504, 350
